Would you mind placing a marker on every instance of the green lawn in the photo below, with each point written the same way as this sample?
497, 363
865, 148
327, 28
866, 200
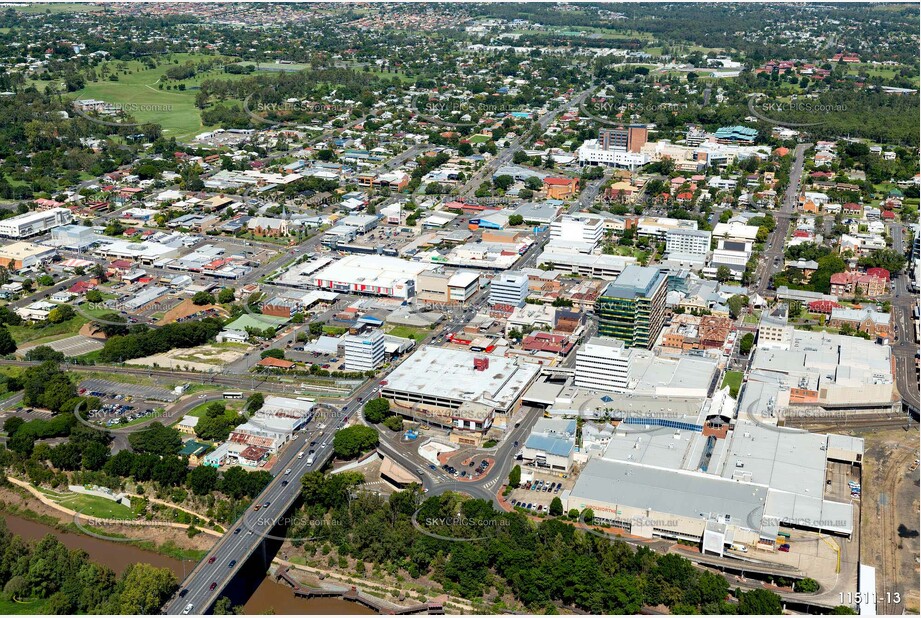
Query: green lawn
408, 332
92, 506
174, 110
22, 608
55, 7
26, 334
732, 379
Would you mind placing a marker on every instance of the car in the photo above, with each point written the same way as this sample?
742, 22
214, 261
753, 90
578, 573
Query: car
472, 463
183, 592
266, 505
784, 548
211, 560
212, 586
432, 467
237, 531
540, 507
463, 473
284, 483
188, 609
288, 471
232, 564
257, 507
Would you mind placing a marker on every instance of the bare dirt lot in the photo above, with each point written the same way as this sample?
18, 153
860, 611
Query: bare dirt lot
203, 358
889, 519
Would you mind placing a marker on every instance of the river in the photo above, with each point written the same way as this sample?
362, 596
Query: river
117, 556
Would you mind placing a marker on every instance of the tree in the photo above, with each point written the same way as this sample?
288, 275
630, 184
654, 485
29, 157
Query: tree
254, 402
225, 296
746, 343
156, 439
376, 410
723, 273
465, 149
7, 343
736, 303
503, 182
556, 506
806, 584
94, 296
351, 442
515, 220
759, 602
202, 298
144, 589
316, 328
393, 423
273, 353
61, 313
203, 480
519, 157
514, 477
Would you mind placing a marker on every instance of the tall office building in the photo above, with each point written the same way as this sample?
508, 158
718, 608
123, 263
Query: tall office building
632, 308
364, 352
579, 227
509, 289
624, 139
602, 364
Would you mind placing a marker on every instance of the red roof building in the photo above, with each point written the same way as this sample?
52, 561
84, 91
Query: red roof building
275, 363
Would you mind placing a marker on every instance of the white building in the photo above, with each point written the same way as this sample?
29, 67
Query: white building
509, 289
580, 228
462, 286
602, 364
379, 276
686, 241
364, 352
591, 153
33, 223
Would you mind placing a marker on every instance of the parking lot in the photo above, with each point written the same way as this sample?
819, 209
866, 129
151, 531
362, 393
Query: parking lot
536, 495
77, 345
136, 391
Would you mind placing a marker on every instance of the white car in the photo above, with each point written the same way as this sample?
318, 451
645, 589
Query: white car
188, 609
288, 471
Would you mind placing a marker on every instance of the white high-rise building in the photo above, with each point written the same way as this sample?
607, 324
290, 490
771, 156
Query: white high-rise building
686, 241
509, 289
579, 228
602, 363
33, 223
364, 352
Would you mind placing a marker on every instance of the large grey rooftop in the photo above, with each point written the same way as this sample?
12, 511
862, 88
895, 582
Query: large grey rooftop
635, 281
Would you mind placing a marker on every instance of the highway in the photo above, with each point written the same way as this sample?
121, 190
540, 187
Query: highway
245, 535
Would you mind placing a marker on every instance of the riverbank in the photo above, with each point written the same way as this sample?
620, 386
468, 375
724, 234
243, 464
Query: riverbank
171, 547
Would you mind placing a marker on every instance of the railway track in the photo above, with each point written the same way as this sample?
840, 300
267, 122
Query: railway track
891, 594
855, 424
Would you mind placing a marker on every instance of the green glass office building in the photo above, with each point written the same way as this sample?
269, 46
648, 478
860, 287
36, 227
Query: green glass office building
632, 308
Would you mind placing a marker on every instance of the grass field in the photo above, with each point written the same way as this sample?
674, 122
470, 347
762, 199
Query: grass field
91, 506
22, 608
408, 332
173, 110
26, 334
56, 7
732, 379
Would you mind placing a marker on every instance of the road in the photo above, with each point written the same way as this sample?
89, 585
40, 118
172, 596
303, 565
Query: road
775, 249
245, 535
504, 157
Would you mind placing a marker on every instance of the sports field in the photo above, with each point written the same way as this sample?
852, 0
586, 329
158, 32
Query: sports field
137, 86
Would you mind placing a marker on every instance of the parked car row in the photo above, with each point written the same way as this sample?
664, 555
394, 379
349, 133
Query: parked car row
537, 508
543, 486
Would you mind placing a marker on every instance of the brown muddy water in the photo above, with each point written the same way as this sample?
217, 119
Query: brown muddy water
269, 595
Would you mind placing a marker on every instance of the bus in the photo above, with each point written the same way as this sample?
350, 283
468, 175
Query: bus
235, 395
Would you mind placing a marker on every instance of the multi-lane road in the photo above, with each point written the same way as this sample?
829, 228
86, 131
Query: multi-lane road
772, 259
206, 583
